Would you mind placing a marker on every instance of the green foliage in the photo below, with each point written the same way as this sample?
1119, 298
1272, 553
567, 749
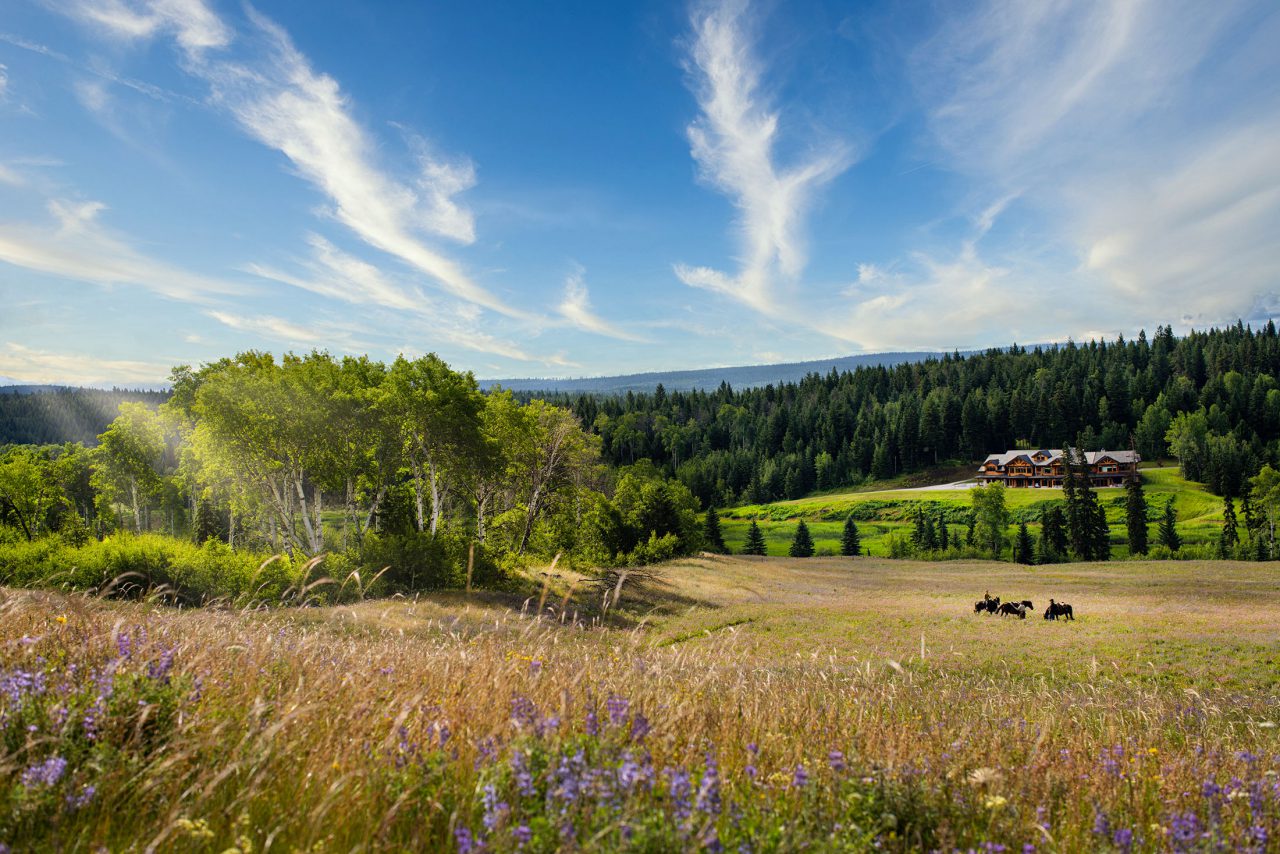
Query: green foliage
991, 517
1230, 535
647, 516
133, 566
755, 541
802, 543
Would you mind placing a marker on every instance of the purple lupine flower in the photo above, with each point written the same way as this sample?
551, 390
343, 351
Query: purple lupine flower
487, 749
1184, 829
535, 667
1259, 834
639, 727
1123, 839
124, 645
1101, 824
78, 800
569, 777
442, 733
708, 801
522, 834
494, 809
523, 712
628, 772
800, 777
44, 773
836, 759
159, 669
524, 780
593, 724
1210, 789
17, 684
1028, 848
466, 844
711, 840
618, 708
679, 789
567, 831
547, 725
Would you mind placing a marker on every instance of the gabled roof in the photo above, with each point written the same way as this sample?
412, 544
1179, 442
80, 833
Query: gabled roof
1055, 455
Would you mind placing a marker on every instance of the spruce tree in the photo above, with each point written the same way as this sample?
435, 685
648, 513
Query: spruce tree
851, 539
755, 541
1022, 550
971, 535
802, 544
1136, 515
1230, 533
712, 535
1168, 528
923, 536
944, 537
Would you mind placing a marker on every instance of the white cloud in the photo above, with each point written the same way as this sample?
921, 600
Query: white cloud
271, 327
733, 142
80, 248
576, 308
192, 24
28, 365
4, 80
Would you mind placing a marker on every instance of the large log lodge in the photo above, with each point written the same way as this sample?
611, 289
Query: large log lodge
1045, 468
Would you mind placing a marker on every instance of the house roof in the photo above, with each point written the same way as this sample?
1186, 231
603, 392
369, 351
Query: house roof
1055, 455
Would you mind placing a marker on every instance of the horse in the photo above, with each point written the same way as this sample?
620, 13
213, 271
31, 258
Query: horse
1010, 609
1059, 609
1026, 603
986, 603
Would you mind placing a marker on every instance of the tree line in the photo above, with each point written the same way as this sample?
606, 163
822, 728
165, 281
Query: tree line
406, 464
1211, 399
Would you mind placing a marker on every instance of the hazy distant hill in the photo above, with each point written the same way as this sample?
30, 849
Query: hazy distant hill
708, 378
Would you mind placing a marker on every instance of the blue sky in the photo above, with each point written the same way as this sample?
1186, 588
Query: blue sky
537, 189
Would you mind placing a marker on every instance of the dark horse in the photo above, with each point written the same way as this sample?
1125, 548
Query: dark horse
1059, 609
986, 603
1011, 609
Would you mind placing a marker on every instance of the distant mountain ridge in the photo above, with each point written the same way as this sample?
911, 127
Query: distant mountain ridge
747, 376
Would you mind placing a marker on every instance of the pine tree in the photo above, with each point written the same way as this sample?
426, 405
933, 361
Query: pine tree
1022, 550
1230, 533
944, 537
712, 535
1168, 531
755, 541
971, 535
851, 539
923, 536
802, 545
1136, 515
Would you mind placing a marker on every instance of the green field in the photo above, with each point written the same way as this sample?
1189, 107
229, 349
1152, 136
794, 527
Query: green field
881, 512
757, 704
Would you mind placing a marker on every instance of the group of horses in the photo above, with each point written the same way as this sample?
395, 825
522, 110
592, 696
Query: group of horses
989, 604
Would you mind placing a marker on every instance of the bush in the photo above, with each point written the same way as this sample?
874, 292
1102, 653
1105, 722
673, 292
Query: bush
133, 566
422, 561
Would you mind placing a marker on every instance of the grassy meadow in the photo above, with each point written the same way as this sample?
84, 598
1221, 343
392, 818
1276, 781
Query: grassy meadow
752, 704
880, 512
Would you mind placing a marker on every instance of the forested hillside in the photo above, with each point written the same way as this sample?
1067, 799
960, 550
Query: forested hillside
57, 415
1210, 399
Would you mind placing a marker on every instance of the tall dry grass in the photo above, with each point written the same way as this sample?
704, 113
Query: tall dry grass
437, 724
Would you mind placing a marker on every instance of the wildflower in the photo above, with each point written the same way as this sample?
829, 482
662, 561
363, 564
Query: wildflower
1101, 824
982, 776
593, 724
124, 646
523, 712
159, 669
708, 801
494, 809
524, 780
618, 708
535, 667
679, 790
465, 842
44, 773
836, 759
522, 834
994, 802
639, 727
77, 800
1123, 839
799, 778
61, 618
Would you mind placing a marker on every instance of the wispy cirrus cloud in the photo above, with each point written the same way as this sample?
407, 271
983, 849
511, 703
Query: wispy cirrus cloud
576, 309
734, 143
1136, 132
272, 92
271, 327
77, 246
